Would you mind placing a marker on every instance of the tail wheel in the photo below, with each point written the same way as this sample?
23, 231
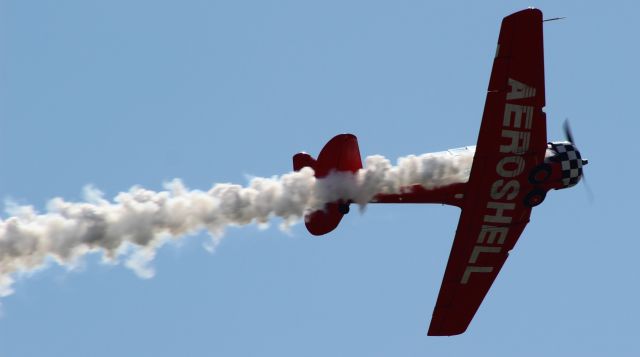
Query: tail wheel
343, 207
534, 198
540, 174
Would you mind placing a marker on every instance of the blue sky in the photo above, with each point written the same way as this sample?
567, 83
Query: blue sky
123, 93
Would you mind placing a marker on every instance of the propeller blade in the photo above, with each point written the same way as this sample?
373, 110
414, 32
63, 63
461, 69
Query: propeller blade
590, 195
569, 136
567, 131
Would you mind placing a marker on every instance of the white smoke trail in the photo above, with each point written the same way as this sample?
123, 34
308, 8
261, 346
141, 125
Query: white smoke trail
136, 223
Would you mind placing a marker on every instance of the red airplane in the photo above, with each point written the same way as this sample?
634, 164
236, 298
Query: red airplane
513, 169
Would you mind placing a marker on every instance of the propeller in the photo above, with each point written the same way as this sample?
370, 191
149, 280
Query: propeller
569, 136
567, 131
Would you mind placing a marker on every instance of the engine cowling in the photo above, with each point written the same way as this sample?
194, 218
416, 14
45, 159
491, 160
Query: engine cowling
567, 157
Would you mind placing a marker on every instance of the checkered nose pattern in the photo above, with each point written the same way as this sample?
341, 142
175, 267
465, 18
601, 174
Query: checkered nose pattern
571, 162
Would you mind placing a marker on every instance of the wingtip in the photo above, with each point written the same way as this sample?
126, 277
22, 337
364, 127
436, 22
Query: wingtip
436, 332
443, 327
531, 11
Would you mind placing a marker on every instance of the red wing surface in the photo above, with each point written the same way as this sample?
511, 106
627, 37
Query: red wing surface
512, 141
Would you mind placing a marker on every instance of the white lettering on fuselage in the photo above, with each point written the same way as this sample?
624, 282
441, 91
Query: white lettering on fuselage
516, 132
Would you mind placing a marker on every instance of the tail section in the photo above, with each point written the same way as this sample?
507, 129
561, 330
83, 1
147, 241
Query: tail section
340, 154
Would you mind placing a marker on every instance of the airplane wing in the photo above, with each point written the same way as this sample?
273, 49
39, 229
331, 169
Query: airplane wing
511, 142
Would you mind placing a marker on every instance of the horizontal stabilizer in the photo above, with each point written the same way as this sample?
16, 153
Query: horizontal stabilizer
301, 160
